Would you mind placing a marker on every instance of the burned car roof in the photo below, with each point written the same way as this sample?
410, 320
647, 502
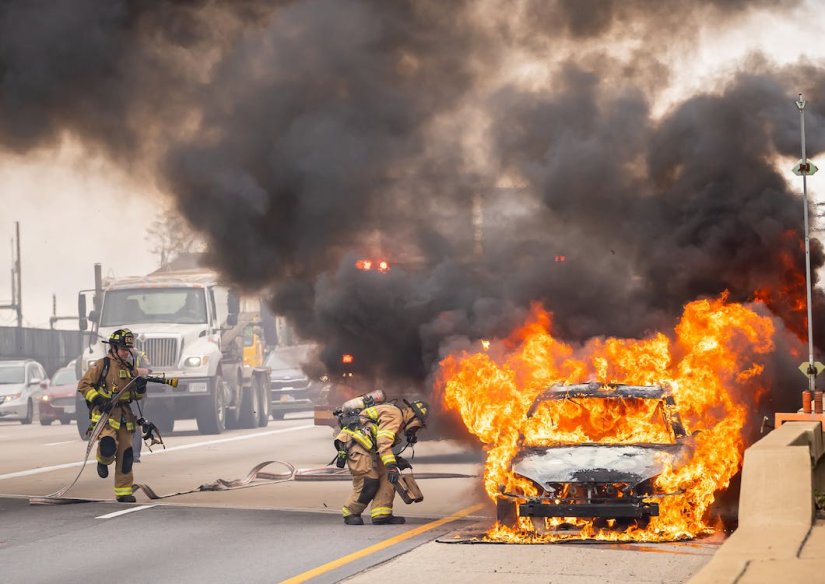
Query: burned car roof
599, 390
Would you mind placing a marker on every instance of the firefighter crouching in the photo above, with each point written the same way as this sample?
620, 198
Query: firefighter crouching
104, 378
368, 444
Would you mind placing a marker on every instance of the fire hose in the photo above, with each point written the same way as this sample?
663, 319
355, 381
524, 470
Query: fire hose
254, 478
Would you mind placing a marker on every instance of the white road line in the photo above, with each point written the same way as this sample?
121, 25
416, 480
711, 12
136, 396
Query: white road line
35, 471
125, 511
58, 443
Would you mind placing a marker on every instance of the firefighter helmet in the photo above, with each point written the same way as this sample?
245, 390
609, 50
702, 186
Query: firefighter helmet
122, 338
420, 410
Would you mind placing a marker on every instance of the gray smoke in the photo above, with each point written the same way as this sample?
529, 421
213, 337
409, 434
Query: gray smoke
300, 136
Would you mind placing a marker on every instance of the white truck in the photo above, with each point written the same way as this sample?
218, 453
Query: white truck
192, 327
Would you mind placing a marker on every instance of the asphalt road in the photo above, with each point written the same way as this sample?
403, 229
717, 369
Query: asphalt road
289, 531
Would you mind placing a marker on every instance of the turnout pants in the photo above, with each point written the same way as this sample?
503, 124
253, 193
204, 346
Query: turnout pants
122, 455
369, 485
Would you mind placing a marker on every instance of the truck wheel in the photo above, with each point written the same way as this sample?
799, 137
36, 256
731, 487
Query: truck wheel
507, 513
264, 403
278, 415
211, 410
165, 421
248, 415
82, 416
65, 420
46, 421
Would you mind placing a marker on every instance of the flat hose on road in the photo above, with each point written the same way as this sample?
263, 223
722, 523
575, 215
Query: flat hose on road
254, 478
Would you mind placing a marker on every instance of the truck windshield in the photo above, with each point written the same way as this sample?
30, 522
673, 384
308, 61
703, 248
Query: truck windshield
142, 305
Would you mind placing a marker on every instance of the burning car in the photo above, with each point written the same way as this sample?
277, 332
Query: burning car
594, 451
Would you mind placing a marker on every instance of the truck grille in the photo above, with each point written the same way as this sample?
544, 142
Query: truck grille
162, 352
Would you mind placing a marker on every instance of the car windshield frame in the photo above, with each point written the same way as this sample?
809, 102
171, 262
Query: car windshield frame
7, 376
176, 305
68, 373
286, 358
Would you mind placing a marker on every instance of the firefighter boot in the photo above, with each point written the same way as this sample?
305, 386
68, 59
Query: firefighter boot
353, 520
388, 520
102, 470
126, 499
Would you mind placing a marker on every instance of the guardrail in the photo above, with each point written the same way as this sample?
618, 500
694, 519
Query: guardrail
777, 535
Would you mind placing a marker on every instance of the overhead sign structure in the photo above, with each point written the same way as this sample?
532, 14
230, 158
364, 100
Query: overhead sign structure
805, 167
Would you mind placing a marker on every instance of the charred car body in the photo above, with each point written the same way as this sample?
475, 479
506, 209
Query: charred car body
612, 477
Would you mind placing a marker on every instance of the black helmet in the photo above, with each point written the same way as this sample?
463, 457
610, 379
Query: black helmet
420, 409
122, 338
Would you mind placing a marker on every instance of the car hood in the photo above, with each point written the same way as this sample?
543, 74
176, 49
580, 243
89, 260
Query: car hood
56, 391
287, 375
11, 388
597, 463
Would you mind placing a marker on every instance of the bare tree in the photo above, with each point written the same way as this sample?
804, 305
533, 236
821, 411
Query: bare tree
170, 236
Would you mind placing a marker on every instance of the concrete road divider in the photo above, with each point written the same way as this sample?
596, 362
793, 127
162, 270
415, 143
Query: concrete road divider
777, 515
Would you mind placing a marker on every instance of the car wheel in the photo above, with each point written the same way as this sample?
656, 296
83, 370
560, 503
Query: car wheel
507, 512
277, 415
29, 413
211, 410
264, 403
46, 421
248, 415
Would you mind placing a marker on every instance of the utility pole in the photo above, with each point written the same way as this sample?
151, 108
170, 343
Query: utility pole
19, 278
16, 279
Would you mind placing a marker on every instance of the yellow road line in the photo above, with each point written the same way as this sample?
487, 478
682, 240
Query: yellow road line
381, 545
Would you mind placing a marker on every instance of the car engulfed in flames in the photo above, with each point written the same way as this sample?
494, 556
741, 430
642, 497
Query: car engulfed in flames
560, 451
610, 478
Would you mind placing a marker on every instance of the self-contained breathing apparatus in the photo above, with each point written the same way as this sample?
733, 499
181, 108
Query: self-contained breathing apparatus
349, 417
350, 421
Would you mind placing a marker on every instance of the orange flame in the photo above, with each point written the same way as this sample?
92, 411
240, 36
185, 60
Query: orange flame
710, 363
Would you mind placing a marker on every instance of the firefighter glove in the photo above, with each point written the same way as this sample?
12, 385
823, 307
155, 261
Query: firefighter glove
393, 473
140, 384
403, 463
103, 404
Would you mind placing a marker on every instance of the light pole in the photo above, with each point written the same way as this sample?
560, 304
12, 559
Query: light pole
804, 168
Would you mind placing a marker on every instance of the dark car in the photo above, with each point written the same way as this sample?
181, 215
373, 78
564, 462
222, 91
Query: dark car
58, 402
290, 387
609, 478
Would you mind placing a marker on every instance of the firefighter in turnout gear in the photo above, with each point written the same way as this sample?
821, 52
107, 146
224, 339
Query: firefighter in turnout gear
368, 444
104, 378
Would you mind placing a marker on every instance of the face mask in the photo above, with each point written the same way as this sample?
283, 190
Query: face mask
411, 437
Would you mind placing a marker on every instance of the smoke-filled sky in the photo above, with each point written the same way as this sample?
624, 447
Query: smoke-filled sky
468, 142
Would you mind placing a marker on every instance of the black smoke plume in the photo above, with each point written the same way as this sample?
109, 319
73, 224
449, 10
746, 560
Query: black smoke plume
300, 136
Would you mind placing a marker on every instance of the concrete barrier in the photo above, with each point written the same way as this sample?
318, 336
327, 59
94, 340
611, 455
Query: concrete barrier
776, 512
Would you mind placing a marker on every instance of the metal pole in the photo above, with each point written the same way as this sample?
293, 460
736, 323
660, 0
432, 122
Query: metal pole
19, 280
811, 369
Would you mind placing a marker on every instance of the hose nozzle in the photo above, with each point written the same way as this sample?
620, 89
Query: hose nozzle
171, 381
